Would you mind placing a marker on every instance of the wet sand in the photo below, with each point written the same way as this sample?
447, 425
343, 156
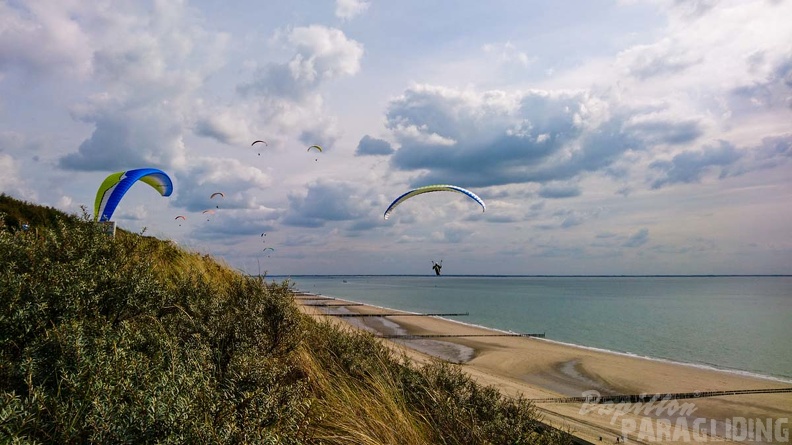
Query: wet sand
538, 369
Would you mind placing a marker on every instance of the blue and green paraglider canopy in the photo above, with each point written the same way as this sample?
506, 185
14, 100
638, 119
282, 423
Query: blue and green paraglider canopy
433, 188
116, 185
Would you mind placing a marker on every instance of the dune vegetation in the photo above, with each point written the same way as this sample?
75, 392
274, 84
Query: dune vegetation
135, 340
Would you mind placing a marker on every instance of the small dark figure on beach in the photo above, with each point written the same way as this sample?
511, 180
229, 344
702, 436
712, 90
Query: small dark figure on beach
437, 267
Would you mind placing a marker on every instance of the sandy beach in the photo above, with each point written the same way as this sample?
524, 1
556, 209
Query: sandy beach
537, 368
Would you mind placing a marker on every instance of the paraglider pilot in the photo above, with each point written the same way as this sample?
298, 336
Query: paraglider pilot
437, 267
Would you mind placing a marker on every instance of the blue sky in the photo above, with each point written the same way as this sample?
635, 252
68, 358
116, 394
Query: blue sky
606, 137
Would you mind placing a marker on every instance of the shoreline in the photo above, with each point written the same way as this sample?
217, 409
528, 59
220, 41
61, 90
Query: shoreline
704, 366
535, 368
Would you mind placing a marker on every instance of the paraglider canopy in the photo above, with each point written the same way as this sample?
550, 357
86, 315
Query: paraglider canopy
433, 188
115, 186
315, 147
220, 194
259, 142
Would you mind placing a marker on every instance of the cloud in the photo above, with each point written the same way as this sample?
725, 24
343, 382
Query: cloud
12, 142
689, 166
45, 37
657, 128
321, 54
693, 8
372, 146
123, 137
348, 9
637, 239
772, 91
136, 213
226, 125
204, 176
324, 201
664, 58
10, 181
452, 233
150, 67
249, 223
774, 150
495, 138
559, 190
288, 95
507, 53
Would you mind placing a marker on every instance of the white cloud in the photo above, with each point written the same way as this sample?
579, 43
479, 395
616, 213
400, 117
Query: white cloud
324, 201
229, 125
507, 53
323, 53
10, 181
491, 137
348, 9
204, 176
45, 37
149, 65
288, 96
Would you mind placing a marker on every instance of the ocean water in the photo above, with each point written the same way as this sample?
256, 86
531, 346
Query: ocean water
741, 324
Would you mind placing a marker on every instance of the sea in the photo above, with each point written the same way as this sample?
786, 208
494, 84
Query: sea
740, 324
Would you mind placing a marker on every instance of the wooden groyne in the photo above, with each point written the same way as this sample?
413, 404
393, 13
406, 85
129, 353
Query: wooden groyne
419, 336
396, 314
305, 298
646, 398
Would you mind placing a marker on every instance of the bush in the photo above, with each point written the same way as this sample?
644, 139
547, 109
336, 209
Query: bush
96, 345
133, 340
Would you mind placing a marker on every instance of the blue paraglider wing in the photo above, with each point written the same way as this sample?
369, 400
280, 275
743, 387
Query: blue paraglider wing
116, 185
433, 188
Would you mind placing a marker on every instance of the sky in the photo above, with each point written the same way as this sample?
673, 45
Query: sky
605, 136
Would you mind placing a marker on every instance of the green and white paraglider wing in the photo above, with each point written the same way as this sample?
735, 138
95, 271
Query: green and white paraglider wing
433, 188
115, 186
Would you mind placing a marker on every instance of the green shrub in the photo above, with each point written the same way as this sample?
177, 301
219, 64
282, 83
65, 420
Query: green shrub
97, 346
134, 340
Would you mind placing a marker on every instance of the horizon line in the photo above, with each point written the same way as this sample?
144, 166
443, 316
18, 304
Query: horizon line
538, 275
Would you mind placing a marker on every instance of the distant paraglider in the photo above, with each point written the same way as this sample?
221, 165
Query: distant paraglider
180, 217
433, 188
220, 194
437, 267
208, 212
259, 142
315, 147
116, 185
